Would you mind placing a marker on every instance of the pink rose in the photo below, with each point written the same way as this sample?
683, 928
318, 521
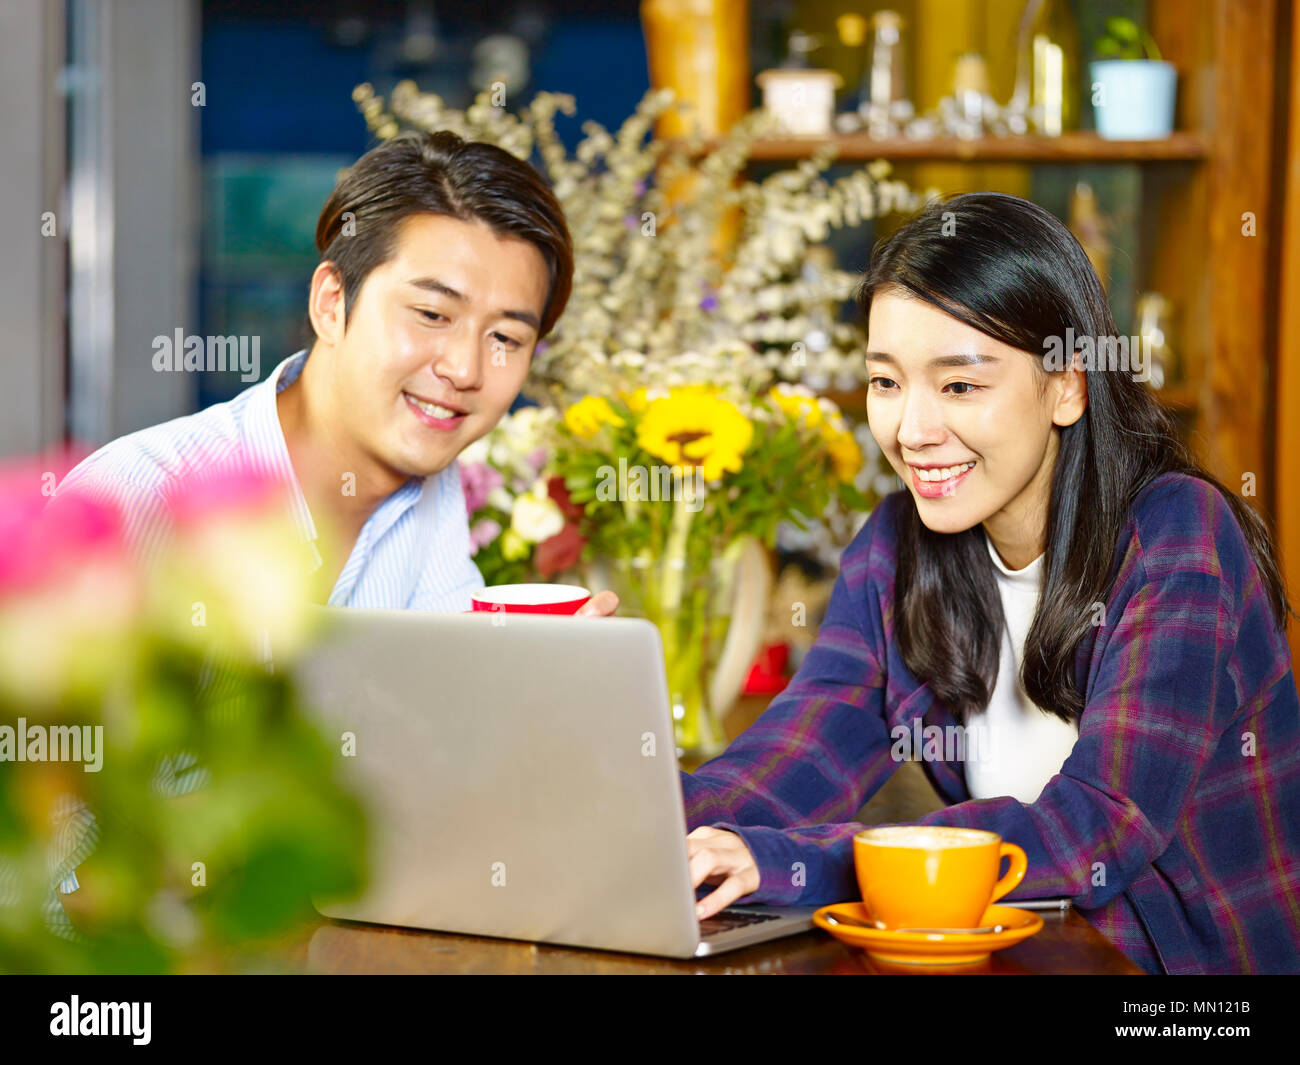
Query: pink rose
45, 536
232, 485
477, 481
482, 533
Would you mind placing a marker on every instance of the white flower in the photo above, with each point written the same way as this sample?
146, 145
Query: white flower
476, 452
499, 498
536, 516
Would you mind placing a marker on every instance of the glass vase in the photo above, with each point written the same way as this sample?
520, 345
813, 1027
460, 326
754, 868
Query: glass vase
687, 590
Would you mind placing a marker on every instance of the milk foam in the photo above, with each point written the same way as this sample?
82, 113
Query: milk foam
927, 837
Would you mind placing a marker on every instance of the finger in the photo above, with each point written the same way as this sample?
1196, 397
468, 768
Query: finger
725, 894
701, 839
708, 860
602, 604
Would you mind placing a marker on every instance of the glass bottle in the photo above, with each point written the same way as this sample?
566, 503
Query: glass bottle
886, 105
1154, 330
1047, 70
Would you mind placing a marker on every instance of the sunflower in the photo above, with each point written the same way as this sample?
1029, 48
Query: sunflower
800, 404
585, 418
797, 403
845, 454
638, 399
692, 426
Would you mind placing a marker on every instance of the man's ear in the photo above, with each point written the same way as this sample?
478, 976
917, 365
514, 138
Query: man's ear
325, 303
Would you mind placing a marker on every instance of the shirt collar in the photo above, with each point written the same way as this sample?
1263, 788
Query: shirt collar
264, 439
268, 452
1029, 576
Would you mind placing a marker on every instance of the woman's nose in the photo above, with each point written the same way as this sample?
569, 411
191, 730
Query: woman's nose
921, 422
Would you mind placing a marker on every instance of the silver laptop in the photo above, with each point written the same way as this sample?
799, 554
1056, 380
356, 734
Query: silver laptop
522, 781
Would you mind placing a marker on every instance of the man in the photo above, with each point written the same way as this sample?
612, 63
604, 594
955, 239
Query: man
443, 262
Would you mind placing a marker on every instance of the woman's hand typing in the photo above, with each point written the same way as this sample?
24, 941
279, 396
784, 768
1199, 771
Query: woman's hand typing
720, 857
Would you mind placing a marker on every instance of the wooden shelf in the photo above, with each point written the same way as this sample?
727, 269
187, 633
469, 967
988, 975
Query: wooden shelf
1080, 147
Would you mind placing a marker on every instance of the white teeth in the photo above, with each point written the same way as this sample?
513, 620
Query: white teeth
944, 472
433, 410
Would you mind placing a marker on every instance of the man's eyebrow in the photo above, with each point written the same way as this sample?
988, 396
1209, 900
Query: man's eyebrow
432, 284
973, 358
527, 317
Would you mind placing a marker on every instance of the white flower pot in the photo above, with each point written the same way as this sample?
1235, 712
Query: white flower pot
1133, 99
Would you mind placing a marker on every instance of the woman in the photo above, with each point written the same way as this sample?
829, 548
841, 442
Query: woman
1060, 576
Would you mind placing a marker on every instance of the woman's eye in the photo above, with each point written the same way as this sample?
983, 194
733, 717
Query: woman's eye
431, 315
509, 342
883, 384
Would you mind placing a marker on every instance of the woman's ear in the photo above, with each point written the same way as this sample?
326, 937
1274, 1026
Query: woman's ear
1071, 394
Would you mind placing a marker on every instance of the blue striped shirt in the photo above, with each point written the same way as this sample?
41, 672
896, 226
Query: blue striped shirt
412, 553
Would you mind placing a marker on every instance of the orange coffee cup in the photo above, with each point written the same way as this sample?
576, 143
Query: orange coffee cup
932, 876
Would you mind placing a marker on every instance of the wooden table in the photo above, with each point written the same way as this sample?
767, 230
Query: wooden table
1067, 944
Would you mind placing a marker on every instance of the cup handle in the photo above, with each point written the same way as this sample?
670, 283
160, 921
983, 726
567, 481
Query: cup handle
1015, 872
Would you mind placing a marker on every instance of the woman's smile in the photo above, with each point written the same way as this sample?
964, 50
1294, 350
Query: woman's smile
934, 482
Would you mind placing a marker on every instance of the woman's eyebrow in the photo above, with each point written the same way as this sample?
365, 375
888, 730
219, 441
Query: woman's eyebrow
973, 358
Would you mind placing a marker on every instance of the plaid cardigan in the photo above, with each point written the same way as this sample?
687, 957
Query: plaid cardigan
1173, 825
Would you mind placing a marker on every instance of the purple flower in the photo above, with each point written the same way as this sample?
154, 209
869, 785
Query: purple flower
709, 303
477, 479
537, 458
640, 187
482, 533
631, 221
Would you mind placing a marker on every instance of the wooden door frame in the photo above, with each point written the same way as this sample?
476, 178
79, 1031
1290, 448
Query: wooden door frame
1286, 396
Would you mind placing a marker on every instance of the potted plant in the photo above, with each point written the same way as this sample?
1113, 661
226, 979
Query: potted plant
1132, 87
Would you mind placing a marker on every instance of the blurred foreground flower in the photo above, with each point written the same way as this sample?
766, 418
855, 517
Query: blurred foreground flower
129, 678
68, 592
233, 575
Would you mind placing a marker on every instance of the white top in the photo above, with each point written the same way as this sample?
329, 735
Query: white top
1012, 747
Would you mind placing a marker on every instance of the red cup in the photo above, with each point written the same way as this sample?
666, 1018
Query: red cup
530, 599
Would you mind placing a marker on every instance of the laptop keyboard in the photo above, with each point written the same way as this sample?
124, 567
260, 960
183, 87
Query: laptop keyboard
729, 920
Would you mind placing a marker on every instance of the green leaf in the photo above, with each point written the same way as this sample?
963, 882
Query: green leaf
1123, 29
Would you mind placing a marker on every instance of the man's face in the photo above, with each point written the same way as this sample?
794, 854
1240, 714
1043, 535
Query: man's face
984, 409
438, 342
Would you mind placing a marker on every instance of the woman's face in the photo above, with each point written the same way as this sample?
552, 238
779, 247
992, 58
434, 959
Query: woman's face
961, 419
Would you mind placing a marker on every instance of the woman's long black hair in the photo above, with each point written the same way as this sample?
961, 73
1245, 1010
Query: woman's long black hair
1010, 269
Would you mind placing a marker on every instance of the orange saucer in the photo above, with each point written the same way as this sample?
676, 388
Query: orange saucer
931, 948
